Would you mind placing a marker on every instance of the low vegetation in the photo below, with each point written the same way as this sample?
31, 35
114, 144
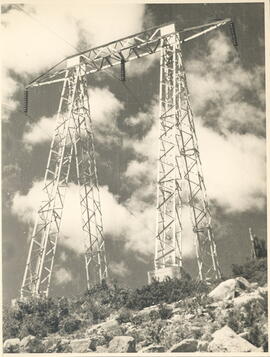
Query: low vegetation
253, 270
71, 317
40, 317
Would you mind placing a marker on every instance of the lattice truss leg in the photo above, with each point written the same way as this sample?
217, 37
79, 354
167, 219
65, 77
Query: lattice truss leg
179, 161
73, 136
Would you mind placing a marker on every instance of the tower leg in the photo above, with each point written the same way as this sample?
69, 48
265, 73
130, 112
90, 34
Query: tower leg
95, 258
37, 275
179, 160
168, 251
208, 267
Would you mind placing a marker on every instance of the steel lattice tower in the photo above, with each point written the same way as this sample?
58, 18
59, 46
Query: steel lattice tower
179, 159
73, 137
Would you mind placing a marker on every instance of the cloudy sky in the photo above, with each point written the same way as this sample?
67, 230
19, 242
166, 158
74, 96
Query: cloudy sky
228, 100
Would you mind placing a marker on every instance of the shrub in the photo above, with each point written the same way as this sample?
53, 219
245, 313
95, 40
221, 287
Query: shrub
172, 334
11, 324
164, 312
258, 337
166, 291
253, 271
33, 325
70, 325
153, 332
124, 316
249, 318
137, 320
154, 315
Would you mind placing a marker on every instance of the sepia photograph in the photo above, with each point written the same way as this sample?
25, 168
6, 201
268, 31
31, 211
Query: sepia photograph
134, 177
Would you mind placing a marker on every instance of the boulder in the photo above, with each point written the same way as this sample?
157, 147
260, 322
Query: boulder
187, 345
122, 344
31, 344
110, 327
101, 349
226, 340
244, 335
263, 291
224, 290
229, 289
189, 316
50, 345
56, 345
97, 340
80, 346
152, 348
202, 346
12, 345
246, 299
254, 285
243, 283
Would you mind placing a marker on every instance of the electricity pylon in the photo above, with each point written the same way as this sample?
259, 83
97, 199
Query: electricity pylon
73, 137
178, 159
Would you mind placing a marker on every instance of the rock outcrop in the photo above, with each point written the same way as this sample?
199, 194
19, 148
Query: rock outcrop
80, 346
246, 299
187, 345
226, 340
229, 289
12, 345
193, 325
152, 348
122, 344
31, 344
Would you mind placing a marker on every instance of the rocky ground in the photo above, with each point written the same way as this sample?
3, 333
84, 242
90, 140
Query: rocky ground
231, 318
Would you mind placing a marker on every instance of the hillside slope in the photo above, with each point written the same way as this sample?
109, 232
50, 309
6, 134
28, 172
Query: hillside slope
174, 316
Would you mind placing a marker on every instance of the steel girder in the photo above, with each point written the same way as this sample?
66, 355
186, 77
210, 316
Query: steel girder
179, 160
73, 136
124, 50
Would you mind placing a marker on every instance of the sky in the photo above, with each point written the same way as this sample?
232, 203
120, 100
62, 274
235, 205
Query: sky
227, 92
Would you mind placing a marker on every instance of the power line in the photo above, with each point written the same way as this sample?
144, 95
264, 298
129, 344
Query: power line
75, 48
108, 72
45, 26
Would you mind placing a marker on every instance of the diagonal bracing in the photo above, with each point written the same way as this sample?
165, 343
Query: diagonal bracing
179, 160
73, 137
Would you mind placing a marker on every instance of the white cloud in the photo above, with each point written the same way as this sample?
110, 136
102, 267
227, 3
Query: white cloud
119, 268
9, 103
142, 65
62, 276
40, 132
148, 122
104, 107
63, 256
221, 89
103, 23
63, 28
118, 221
234, 168
218, 85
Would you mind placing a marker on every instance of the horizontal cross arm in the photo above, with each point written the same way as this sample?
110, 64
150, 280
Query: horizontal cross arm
123, 50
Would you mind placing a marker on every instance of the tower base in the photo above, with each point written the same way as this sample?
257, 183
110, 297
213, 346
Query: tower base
163, 273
